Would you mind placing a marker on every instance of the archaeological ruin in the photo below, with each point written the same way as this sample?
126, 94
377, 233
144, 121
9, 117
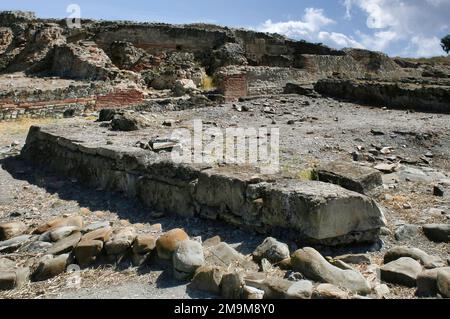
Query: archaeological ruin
356, 203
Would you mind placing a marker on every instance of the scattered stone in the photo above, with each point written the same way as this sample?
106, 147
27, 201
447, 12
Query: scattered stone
102, 234
357, 259
437, 232
224, 255
311, 264
11, 230
252, 293
129, 121
168, 243
37, 247
272, 250
87, 250
11, 245
15, 278
353, 177
213, 241
120, 241
381, 291
407, 232
427, 283
426, 260
144, 244
300, 290
63, 232
443, 282
96, 226
328, 291
232, 285
187, 259
65, 245
403, 271
386, 168
49, 267
60, 222
208, 278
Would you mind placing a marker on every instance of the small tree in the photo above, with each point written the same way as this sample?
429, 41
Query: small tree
445, 42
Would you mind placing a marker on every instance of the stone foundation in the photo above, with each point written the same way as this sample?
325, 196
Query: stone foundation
307, 212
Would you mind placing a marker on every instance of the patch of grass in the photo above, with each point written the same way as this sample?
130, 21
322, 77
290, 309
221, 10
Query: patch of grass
208, 83
308, 174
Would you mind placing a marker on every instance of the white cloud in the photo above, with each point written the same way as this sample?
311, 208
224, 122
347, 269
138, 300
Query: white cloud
310, 28
313, 21
412, 22
400, 27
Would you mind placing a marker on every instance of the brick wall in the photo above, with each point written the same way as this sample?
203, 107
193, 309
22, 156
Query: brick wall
234, 86
33, 107
120, 98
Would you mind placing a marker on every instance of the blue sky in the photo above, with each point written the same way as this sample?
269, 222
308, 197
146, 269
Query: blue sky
397, 27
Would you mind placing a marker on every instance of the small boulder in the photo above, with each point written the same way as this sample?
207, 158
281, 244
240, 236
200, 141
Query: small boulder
252, 293
129, 121
437, 232
426, 260
13, 278
208, 278
312, 265
443, 282
102, 234
49, 267
300, 290
328, 291
403, 271
427, 283
144, 244
168, 243
87, 251
232, 285
11, 230
272, 250
11, 245
187, 259
96, 226
120, 241
60, 222
407, 232
65, 245
63, 232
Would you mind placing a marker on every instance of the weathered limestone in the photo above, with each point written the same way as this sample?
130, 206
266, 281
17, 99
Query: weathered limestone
427, 282
169, 242
443, 282
272, 250
87, 250
310, 211
311, 264
354, 177
208, 278
403, 271
437, 232
65, 245
187, 259
11, 230
427, 98
76, 221
426, 260
50, 266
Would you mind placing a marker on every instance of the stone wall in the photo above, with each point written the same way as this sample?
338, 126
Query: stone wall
427, 98
307, 212
66, 101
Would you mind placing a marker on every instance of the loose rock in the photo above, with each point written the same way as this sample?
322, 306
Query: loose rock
328, 291
272, 250
443, 282
437, 232
310, 263
65, 245
50, 267
11, 230
87, 251
168, 243
208, 278
426, 260
187, 259
403, 271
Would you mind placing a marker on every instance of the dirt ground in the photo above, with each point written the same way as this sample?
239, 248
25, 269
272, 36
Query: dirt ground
319, 130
